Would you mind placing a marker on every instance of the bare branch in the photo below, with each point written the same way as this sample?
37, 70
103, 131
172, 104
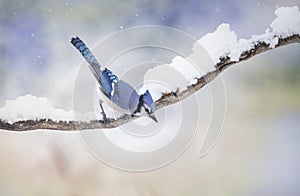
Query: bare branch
167, 99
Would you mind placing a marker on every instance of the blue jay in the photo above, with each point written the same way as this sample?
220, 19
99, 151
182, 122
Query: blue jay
121, 95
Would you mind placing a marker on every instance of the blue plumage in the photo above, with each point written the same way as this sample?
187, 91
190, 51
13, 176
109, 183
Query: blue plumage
147, 99
109, 81
85, 51
118, 91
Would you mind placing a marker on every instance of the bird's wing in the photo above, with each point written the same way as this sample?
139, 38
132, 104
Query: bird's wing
125, 96
108, 83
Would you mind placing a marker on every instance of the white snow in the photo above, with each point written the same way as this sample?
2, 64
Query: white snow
244, 45
287, 22
185, 67
31, 107
168, 78
219, 43
223, 42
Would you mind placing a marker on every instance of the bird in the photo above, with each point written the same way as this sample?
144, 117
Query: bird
117, 93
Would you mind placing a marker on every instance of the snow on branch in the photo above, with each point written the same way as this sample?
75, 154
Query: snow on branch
222, 46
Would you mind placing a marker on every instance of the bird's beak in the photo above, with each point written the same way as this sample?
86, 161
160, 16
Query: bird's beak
152, 116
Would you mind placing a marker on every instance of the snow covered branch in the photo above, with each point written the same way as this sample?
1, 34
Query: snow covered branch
222, 46
260, 47
167, 99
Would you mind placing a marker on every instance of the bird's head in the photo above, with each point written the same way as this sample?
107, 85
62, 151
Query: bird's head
146, 106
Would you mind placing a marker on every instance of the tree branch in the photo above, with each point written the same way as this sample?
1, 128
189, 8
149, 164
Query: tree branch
165, 100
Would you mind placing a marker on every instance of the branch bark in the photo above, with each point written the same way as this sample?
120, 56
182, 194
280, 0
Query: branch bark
165, 100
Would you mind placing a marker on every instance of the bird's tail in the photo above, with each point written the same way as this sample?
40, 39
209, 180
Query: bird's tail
95, 66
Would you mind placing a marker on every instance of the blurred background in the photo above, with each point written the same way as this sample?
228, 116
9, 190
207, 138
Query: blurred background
257, 152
